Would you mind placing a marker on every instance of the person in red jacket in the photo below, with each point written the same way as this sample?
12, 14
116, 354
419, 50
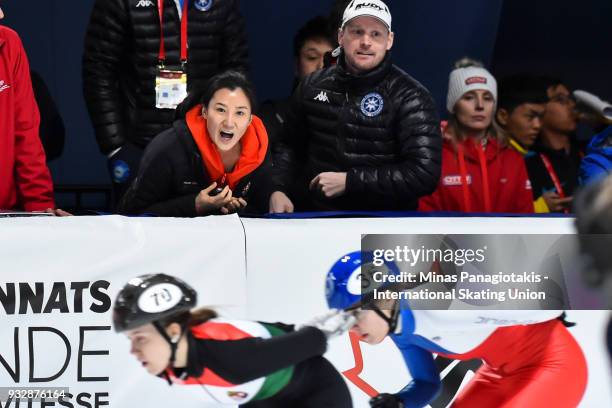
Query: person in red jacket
479, 172
25, 181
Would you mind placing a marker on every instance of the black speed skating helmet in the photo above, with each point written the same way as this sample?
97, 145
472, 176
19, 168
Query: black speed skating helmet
149, 298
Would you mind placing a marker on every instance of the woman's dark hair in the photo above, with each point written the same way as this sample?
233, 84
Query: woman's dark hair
231, 80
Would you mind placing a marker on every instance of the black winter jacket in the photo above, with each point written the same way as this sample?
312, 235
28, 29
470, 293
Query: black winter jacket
172, 174
565, 165
121, 57
381, 128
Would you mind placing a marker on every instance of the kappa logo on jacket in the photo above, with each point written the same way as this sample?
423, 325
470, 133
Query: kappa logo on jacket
321, 97
3, 86
145, 3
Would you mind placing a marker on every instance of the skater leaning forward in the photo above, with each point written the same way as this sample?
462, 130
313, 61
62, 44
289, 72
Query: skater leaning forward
254, 364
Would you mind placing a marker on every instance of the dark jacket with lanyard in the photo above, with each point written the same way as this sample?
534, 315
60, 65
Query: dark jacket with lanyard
240, 361
381, 128
553, 170
173, 173
121, 58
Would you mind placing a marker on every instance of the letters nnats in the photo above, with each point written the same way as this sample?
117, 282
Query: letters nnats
42, 299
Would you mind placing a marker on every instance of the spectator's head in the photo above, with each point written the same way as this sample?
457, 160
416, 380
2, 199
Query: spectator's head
351, 285
594, 224
310, 45
365, 34
1, 14
560, 115
520, 108
228, 100
472, 94
373, 324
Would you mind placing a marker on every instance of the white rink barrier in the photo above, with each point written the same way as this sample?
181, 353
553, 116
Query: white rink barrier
273, 270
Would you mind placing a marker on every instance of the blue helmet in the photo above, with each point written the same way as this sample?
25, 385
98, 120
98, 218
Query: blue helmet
344, 286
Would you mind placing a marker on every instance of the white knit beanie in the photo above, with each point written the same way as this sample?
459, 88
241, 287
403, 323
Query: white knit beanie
463, 80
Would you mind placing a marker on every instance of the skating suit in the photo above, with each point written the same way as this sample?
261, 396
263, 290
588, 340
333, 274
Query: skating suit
529, 357
256, 365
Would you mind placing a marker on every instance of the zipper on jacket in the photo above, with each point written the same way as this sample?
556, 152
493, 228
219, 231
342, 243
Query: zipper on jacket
344, 117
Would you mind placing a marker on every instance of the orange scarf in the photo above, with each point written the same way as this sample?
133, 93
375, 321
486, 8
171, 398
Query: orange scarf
254, 145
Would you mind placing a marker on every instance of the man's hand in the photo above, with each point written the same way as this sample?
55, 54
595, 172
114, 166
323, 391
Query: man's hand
235, 205
556, 203
330, 184
386, 401
206, 203
280, 203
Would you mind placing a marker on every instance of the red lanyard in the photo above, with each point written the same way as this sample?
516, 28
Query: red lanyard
553, 175
464, 184
484, 171
162, 46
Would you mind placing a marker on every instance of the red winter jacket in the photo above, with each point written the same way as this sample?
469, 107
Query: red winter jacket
25, 182
509, 189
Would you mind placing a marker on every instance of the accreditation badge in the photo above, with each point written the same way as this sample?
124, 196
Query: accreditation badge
170, 88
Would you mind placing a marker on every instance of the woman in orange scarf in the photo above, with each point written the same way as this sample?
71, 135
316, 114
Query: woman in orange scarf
211, 162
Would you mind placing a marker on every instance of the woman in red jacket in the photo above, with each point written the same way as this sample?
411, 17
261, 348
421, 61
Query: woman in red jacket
479, 172
25, 181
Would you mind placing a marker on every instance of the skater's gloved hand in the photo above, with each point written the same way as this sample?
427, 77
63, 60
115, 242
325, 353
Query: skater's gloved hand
386, 401
334, 323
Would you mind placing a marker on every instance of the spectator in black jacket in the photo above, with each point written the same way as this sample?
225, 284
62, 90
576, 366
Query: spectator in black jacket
214, 161
365, 135
124, 55
310, 44
555, 160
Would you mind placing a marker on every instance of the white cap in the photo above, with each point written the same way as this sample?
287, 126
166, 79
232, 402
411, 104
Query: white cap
463, 80
370, 8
